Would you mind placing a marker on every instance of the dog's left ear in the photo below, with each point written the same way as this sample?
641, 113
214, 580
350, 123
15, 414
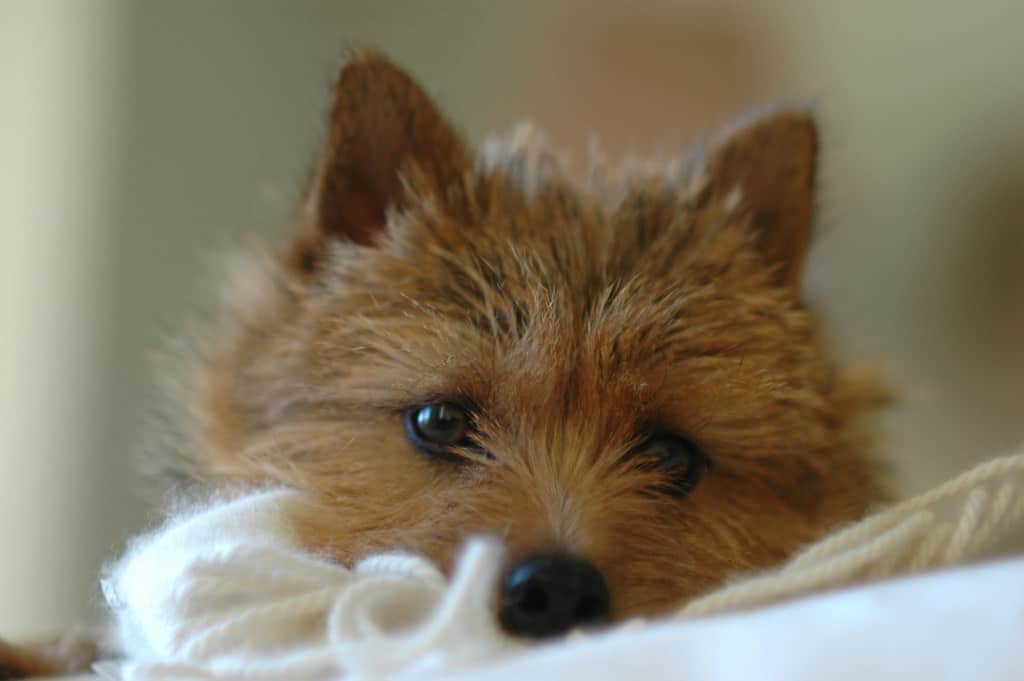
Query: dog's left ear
383, 127
768, 163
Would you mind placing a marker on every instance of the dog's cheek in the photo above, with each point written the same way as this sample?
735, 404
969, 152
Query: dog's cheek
417, 507
658, 551
652, 562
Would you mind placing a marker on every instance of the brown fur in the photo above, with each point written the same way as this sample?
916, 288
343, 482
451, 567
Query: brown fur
69, 654
575, 317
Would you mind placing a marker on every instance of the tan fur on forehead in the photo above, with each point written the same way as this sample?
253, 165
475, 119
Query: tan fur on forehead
575, 316
525, 156
392, 341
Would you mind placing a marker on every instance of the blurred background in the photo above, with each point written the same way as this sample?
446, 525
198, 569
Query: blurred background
140, 139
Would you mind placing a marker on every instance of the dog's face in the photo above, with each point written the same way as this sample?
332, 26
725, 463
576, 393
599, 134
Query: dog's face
620, 373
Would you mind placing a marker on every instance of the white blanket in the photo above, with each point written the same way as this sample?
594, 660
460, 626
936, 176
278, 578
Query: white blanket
965, 624
226, 592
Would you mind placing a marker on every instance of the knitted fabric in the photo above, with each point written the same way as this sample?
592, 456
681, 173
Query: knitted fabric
225, 591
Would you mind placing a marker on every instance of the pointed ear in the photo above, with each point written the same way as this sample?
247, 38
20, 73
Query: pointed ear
382, 128
769, 164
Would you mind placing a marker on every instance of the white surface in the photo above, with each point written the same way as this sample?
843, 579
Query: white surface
224, 592
226, 589
960, 624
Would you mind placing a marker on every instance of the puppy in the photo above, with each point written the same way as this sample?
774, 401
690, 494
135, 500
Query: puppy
617, 376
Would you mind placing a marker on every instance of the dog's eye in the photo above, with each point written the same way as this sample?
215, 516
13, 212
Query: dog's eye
679, 459
434, 428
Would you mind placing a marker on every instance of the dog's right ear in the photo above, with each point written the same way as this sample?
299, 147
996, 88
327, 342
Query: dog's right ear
382, 127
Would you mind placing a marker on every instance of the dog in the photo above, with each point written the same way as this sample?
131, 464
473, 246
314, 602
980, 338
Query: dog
617, 375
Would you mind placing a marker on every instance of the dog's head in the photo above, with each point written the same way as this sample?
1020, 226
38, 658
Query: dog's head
617, 376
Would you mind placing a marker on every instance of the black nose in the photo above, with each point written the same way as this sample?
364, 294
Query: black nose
549, 594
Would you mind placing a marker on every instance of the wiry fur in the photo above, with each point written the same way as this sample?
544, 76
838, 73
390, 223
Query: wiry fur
574, 318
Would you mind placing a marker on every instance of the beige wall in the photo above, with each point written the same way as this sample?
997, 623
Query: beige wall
925, 262
140, 137
56, 141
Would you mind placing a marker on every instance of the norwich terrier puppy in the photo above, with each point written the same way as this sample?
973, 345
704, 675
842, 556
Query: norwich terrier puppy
616, 376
